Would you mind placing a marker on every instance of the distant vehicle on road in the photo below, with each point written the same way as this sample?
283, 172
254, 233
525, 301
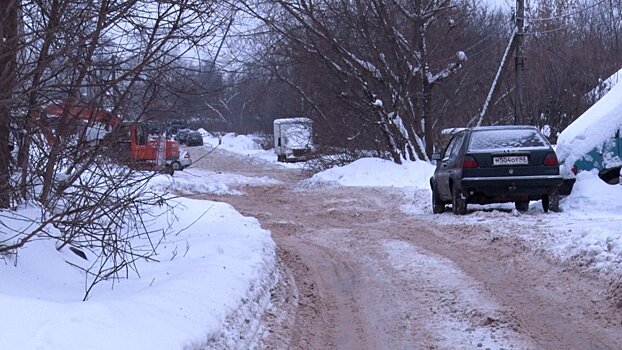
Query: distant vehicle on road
293, 139
496, 164
182, 135
194, 138
175, 125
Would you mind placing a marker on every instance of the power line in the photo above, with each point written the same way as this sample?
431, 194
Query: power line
566, 15
567, 26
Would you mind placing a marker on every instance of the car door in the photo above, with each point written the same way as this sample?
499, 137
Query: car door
446, 167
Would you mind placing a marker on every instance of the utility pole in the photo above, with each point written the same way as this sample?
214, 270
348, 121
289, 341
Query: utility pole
514, 46
519, 60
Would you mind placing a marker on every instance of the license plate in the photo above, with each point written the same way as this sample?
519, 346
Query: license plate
510, 160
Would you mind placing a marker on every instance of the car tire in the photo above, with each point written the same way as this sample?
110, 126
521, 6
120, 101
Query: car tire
551, 202
521, 205
438, 206
458, 203
176, 165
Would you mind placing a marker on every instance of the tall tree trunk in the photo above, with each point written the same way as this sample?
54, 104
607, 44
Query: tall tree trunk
8, 61
427, 117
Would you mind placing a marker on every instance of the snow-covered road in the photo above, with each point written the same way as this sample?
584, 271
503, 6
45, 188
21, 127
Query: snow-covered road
369, 273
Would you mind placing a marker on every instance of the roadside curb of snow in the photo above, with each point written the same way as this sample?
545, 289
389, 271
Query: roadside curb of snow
243, 328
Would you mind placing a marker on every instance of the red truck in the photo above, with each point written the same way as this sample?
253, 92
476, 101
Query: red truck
133, 144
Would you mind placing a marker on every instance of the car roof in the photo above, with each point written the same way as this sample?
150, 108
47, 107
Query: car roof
502, 127
453, 131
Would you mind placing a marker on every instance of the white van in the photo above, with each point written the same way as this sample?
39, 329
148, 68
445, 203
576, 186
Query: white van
293, 139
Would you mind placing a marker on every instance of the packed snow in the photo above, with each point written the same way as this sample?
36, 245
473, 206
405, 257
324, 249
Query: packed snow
216, 267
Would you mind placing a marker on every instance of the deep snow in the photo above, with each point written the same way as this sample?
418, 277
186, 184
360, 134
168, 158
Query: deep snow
215, 274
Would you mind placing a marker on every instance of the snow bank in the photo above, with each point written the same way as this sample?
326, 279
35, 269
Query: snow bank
214, 275
378, 172
196, 181
239, 142
248, 146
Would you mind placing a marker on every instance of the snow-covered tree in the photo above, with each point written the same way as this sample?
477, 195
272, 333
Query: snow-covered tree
96, 55
377, 57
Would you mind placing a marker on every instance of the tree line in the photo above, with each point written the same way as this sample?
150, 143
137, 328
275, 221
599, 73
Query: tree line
388, 75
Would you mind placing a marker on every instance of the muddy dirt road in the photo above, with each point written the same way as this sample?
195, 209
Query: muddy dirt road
358, 273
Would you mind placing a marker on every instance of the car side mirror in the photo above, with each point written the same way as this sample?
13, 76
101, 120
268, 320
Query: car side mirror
436, 156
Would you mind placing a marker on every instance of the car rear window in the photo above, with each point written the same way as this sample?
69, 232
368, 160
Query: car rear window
502, 139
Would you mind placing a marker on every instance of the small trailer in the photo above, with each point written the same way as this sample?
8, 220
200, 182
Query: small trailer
293, 139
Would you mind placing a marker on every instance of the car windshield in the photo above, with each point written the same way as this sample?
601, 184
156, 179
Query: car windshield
502, 139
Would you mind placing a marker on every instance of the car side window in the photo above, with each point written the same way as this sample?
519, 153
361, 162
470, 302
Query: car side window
454, 146
450, 146
456, 150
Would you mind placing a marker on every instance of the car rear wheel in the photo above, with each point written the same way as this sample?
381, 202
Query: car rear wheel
176, 165
458, 203
521, 205
437, 204
551, 202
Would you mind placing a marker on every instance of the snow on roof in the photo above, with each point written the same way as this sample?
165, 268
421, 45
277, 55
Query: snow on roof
592, 128
604, 86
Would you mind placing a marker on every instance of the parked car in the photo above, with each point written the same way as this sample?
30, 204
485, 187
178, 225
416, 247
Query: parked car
194, 138
183, 161
496, 164
182, 135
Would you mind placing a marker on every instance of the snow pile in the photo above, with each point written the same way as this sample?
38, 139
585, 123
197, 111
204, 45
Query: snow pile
214, 275
238, 142
196, 181
248, 146
604, 86
590, 223
377, 172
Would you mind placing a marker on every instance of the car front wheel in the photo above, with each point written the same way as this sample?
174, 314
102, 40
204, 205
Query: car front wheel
458, 203
176, 165
437, 204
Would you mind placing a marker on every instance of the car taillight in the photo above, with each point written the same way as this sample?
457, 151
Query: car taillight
469, 162
574, 169
550, 159
187, 155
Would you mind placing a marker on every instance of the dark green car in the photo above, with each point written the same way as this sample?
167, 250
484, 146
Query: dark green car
496, 164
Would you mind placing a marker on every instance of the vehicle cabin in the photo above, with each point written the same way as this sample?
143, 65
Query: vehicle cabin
293, 139
605, 158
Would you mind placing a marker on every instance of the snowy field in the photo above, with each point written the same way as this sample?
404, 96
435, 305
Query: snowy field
216, 271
